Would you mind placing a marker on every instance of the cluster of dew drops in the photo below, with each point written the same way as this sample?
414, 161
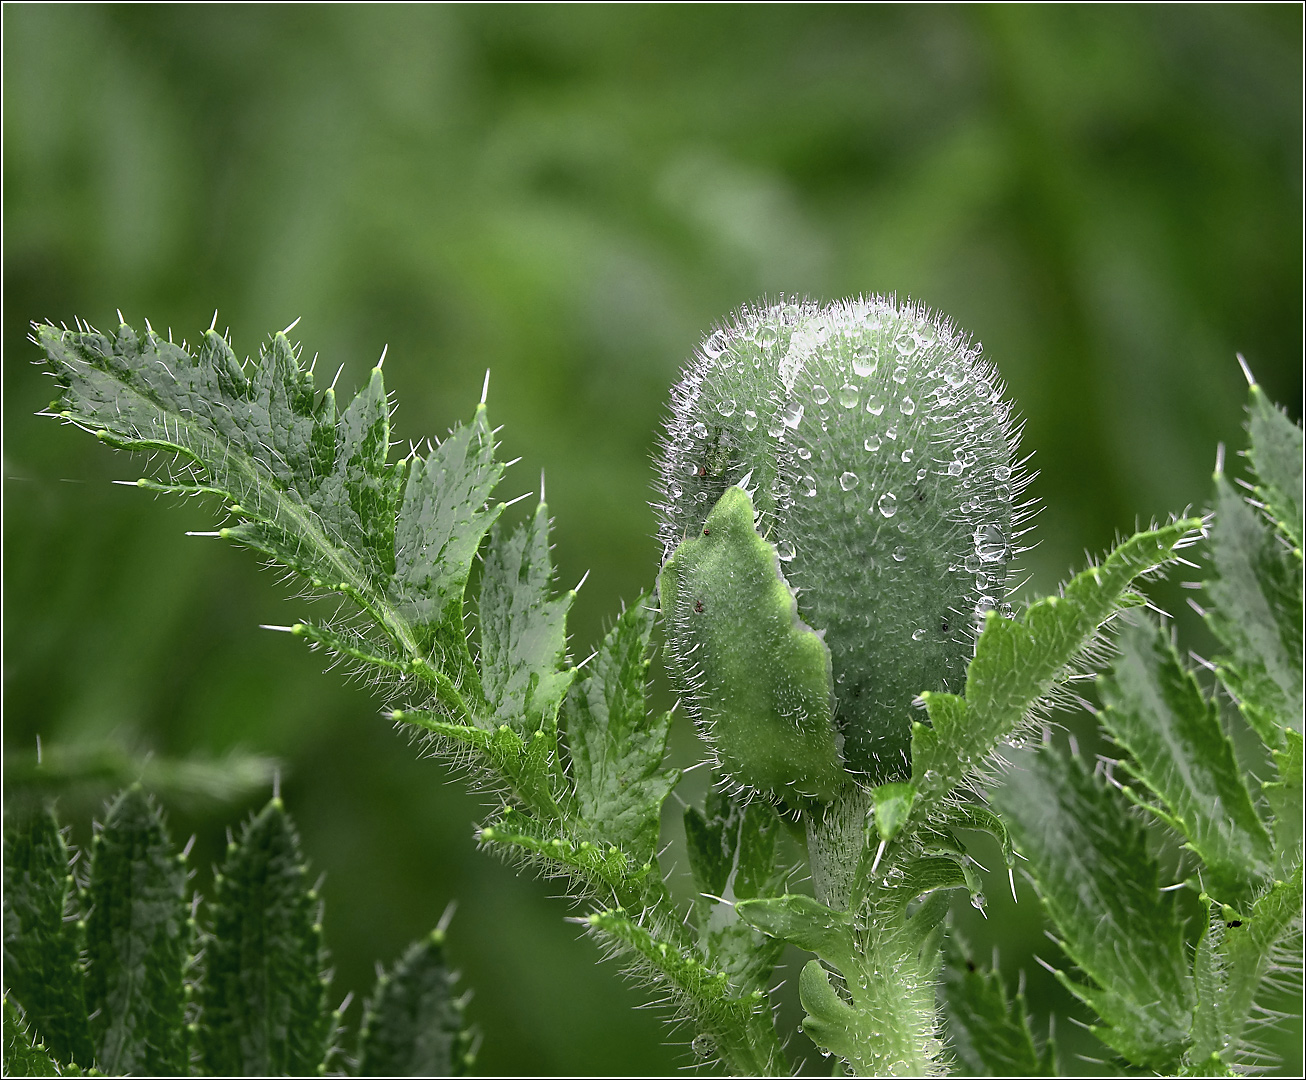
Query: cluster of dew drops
965, 407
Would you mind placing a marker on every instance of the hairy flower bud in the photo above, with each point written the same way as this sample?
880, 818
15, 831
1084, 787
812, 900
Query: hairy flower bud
879, 456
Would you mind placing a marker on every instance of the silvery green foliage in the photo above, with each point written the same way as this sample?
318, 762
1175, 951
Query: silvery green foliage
899, 558
141, 979
881, 458
1162, 1004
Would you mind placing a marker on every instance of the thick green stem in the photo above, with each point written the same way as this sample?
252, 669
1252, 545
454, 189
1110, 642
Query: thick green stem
884, 1020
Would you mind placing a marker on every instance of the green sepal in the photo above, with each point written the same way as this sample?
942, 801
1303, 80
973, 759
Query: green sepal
1255, 588
138, 942
973, 815
1285, 798
761, 676
805, 922
1088, 857
41, 947
413, 1023
733, 859
1156, 711
263, 1004
990, 1030
829, 1021
616, 746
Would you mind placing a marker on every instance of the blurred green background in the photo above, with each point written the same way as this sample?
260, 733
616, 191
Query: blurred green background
1108, 198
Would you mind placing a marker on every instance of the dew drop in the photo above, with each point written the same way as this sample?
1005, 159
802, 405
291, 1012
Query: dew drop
955, 375
700, 429
921, 474
715, 345
820, 394
727, 407
864, 361
750, 420
849, 480
888, 504
899, 553
972, 564
793, 415
955, 468
978, 901
766, 337
785, 550
872, 443
1002, 473
892, 432
804, 453
900, 374
917, 635
675, 490
874, 405
990, 544
775, 430
849, 395
907, 406
691, 469
906, 456
809, 485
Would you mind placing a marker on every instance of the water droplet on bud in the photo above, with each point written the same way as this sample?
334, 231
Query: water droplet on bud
785, 550
900, 374
848, 395
820, 394
793, 415
906, 456
750, 420
907, 406
872, 443
849, 480
917, 635
727, 407
888, 504
864, 361
874, 405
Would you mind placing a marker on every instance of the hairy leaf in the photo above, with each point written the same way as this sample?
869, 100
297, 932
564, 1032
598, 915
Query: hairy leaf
1157, 712
616, 747
1018, 660
1089, 861
739, 1024
413, 1024
990, 1031
732, 856
263, 998
523, 632
310, 489
1276, 455
24, 1052
1255, 589
138, 940
41, 946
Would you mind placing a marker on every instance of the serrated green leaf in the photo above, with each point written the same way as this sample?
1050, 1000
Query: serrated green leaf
732, 856
138, 942
523, 632
739, 1024
24, 1052
413, 1023
1247, 945
41, 947
1284, 795
1018, 660
1157, 712
1089, 860
990, 1031
1255, 589
616, 747
310, 489
1276, 455
263, 1005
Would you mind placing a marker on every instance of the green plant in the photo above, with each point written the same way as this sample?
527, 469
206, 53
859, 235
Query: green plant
123, 973
829, 737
